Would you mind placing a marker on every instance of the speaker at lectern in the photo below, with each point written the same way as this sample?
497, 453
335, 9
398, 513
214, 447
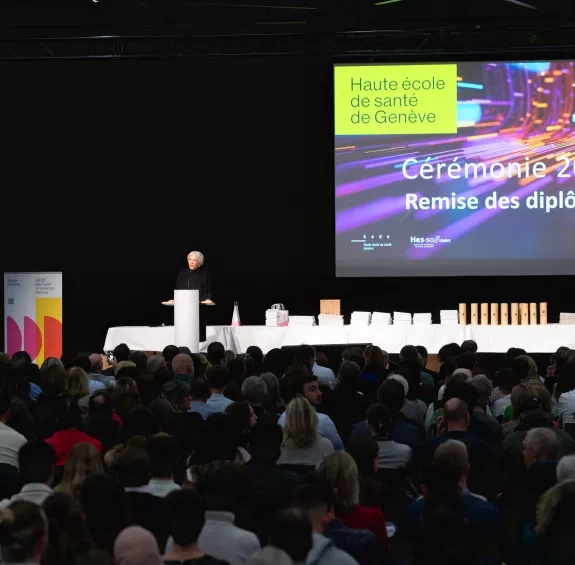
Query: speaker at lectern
187, 319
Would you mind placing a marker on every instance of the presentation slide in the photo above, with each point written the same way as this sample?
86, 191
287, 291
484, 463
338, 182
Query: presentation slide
455, 169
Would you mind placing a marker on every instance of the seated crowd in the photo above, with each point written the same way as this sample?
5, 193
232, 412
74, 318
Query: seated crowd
185, 458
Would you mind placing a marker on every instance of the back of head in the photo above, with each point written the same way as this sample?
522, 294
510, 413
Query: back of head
216, 353
528, 397
132, 466
364, 450
466, 360
100, 404
36, 460
356, 355
254, 390
469, 346
53, 379
512, 353
163, 450
524, 367
452, 454
169, 352
23, 532
409, 354
314, 495
291, 531
340, 470
304, 354
447, 353
182, 364
218, 376
456, 411
566, 468
69, 414
300, 428
377, 359
185, 514
225, 487
140, 359
349, 374
506, 379
462, 390
483, 387
379, 421
391, 393
200, 389
201, 364
257, 356
543, 443
121, 353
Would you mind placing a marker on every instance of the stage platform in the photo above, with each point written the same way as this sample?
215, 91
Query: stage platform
491, 339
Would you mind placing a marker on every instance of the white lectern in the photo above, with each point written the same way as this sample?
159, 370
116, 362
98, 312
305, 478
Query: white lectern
186, 319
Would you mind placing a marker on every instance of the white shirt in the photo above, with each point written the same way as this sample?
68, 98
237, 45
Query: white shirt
566, 408
32, 492
10, 443
324, 375
162, 487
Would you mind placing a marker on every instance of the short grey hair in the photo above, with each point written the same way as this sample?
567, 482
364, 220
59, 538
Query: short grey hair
543, 442
453, 452
199, 255
254, 389
484, 388
401, 380
269, 556
566, 468
466, 372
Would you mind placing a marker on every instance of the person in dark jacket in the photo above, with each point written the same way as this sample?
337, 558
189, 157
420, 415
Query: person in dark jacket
347, 406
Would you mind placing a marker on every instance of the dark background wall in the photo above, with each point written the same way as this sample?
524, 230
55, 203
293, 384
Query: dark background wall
112, 171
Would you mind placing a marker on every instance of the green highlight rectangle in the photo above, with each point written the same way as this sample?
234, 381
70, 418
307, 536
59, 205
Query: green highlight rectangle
395, 99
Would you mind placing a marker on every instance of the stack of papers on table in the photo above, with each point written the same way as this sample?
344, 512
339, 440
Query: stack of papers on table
381, 319
330, 320
567, 318
401, 319
272, 318
276, 318
360, 318
422, 319
302, 320
449, 317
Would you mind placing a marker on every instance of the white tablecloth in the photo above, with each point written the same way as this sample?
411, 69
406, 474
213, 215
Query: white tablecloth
491, 339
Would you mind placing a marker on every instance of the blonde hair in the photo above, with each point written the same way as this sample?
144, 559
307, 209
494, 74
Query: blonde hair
77, 384
341, 471
83, 461
300, 428
527, 396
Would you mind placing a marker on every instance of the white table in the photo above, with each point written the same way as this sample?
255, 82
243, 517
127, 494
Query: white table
491, 339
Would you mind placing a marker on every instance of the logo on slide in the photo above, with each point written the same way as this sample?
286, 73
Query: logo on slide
428, 242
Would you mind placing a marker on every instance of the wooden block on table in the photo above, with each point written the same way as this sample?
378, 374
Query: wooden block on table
330, 306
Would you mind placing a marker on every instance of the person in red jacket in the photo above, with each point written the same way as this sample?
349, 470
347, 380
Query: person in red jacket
70, 432
341, 471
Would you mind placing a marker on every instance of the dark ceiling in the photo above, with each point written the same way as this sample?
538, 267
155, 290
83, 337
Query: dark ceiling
52, 18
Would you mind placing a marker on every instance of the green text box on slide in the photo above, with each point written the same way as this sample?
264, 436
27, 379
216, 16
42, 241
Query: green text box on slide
395, 99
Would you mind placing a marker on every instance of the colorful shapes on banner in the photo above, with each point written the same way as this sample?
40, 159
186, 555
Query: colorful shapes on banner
13, 336
49, 317
52, 337
32, 337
